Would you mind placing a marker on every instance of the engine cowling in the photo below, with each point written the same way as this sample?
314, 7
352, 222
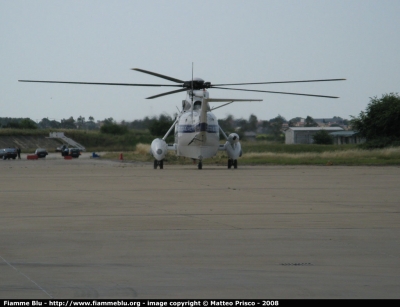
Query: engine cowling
233, 138
233, 147
159, 149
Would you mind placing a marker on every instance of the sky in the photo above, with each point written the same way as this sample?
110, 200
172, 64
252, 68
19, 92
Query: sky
227, 41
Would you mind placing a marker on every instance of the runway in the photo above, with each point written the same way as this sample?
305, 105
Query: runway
86, 228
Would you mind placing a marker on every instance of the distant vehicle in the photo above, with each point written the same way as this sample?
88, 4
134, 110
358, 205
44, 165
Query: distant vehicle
74, 152
8, 153
41, 153
64, 150
60, 148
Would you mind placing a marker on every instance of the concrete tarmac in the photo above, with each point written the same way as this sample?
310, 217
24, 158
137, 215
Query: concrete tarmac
87, 229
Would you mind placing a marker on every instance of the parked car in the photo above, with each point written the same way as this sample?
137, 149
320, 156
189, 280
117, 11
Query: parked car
61, 148
41, 153
74, 152
8, 153
64, 151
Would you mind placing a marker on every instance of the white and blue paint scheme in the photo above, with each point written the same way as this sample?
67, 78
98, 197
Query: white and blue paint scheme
197, 132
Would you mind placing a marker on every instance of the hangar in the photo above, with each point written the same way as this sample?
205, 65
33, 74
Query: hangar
304, 135
347, 137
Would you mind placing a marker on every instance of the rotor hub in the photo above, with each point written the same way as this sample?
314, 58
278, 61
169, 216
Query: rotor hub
196, 84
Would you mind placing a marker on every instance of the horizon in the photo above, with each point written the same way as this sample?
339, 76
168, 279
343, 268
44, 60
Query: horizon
226, 41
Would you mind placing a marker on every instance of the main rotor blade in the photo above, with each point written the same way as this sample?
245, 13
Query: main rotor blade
100, 83
158, 75
168, 93
322, 80
287, 93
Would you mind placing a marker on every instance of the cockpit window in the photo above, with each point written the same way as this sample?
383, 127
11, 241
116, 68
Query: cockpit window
197, 106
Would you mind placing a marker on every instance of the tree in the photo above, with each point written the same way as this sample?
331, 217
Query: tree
276, 126
14, 125
227, 124
81, 122
381, 120
322, 137
46, 123
253, 123
310, 122
241, 124
112, 128
160, 127
68, 123
24, 123
265, 124
27, 123
109, 120
294, 121
91, 125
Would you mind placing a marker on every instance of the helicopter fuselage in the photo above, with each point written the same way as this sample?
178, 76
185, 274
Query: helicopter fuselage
195, 138
197, 133
196, 128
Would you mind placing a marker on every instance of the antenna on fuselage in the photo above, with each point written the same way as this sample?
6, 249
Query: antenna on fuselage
192, 92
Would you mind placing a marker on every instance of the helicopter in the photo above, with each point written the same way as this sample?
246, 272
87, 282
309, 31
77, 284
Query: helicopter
196, 129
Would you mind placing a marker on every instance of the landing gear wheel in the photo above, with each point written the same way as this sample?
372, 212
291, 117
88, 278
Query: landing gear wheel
234, 163
158, 163
200, 165
230, 163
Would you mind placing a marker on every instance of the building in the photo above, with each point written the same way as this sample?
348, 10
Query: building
347, 137
250, 135
304, 135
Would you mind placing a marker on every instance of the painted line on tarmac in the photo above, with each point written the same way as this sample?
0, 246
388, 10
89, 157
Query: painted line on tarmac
9, 264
